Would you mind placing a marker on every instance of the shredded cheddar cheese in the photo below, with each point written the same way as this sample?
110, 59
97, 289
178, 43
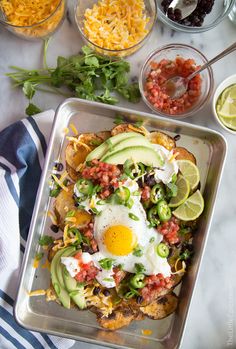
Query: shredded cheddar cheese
53, 217
77, 141
36, 263
37, 293
180, 266
146, 332
140, 129
172, 157
43, 15
74, 129
46, 265
59, 182
116, 24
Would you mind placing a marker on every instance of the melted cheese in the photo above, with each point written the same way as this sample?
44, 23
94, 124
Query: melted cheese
116, 24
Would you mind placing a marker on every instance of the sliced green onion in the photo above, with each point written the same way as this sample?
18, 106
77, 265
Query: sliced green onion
133, 216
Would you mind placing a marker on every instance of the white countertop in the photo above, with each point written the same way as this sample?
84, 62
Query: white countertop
212, 319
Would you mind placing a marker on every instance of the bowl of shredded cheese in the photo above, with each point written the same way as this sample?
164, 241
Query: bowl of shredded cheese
32, 19
115, 27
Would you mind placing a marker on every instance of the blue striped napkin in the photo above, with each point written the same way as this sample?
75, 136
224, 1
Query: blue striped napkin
22, 151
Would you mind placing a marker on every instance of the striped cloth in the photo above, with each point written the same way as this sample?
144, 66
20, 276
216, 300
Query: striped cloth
22, 150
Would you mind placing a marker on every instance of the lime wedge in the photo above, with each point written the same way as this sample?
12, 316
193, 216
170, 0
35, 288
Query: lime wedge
191, 209
228, 109
228, 122
190, 171
226, 104
182, 193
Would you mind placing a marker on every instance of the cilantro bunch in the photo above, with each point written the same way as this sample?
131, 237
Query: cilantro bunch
86, 75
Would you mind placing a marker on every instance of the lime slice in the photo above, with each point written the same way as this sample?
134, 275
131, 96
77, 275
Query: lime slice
228, 122
191, 209
190, 171
182, 193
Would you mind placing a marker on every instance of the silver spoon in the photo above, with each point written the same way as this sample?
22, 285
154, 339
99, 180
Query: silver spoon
176, 86
185, 6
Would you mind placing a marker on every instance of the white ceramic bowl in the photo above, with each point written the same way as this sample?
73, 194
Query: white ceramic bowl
224, 84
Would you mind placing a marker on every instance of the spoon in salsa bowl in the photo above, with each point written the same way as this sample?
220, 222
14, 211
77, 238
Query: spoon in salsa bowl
176, 86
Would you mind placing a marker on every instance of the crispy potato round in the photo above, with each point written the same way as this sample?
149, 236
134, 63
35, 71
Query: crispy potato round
63, 203
104, 135
162, 307
120, 317
76, 154
184, 154
72, 173
163, 139
122, 128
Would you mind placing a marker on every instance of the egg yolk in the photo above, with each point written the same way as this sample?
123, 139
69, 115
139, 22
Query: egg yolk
119, 240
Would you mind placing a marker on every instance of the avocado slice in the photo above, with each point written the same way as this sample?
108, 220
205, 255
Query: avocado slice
100, 151
67, 253
78, 297
59, 288
147, 156
76, 291
129, 142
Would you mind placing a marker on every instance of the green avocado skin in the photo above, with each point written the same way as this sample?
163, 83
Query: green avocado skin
65, 286
101, 150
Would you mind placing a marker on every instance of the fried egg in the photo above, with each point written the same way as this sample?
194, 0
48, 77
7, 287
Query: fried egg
123, 235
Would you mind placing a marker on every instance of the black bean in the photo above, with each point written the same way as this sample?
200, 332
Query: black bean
149, 180
106, 293
96, 290
86, 248
54, 228
59, 166
139, 299
177, 138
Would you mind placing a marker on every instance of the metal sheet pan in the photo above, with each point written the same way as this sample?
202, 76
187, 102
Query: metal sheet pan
35, 313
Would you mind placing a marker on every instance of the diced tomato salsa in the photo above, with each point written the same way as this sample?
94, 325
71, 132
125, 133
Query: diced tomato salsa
160, 72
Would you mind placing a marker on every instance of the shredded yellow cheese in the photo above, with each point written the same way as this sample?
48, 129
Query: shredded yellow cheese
66, 130
140, 129
116, 24
172, 157
59, 182
36, 263
74, 129
77, 141
37, 293
46, 265
53, 217
182, 264
30, 13
146, 332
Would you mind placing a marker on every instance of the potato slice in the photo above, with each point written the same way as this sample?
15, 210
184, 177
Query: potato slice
120, 317
163, 139
76, 153
64, 203
104, 135
184, 154
128, 128
161, 308
72, 173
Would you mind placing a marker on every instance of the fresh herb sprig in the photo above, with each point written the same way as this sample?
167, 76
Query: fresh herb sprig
86, 75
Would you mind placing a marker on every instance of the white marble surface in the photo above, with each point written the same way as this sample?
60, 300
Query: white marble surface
212, 319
